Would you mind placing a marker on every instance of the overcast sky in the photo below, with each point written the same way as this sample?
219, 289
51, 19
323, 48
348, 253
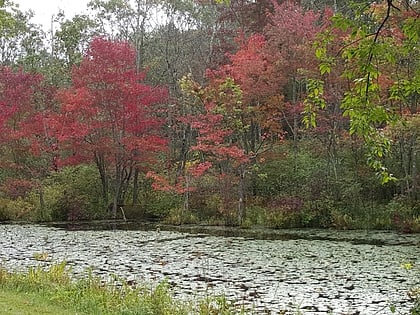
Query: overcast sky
44, 9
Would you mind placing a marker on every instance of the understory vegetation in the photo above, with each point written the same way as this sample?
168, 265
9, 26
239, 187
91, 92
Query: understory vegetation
290, 189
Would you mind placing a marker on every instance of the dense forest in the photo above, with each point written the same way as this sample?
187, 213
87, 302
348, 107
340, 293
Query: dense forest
249, 113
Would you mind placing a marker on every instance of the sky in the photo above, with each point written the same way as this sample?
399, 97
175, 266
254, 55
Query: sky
44, 9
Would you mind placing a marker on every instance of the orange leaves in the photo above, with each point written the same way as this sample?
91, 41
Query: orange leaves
250, 68
161, 183
270, 68
198, 169
186, 183
216, 135
73, 99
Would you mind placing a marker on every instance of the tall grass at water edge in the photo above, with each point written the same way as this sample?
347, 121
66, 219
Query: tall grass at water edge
91, 296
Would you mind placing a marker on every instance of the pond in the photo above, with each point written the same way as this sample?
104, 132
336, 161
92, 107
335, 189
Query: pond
318, 271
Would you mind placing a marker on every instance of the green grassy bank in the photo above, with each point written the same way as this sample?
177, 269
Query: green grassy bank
14, 302
53, 291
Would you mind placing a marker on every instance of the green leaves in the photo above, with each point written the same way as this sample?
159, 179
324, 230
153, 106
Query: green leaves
377, 58
378, 147
411, 29
6, 19
73, 38
367, 117
313, 102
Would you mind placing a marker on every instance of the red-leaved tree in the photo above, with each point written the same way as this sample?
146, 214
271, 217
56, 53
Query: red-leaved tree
107, 117
28, 149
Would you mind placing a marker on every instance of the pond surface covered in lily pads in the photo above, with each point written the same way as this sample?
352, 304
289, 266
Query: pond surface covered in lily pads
319, 271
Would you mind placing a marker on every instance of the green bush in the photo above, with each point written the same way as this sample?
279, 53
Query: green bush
287, 174
18, 209
282, 219
255, 215
404, 215
158, 204
73, 193
178, 216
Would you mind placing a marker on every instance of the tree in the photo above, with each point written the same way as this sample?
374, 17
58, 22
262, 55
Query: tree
271, 70
379, 51
28, 149
220, 134
290, 35
249, 17
18, 102
21, 41
216, 150
114, 18
71, 41
184, 43
107, 116
121, 20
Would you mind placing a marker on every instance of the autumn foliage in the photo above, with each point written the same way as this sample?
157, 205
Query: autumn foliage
108, 111
290, 101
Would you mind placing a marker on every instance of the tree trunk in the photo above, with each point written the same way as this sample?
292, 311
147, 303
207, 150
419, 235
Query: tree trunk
136, 188
414, 187
241, 202
186, 206
118, 184
41, 203
100, 164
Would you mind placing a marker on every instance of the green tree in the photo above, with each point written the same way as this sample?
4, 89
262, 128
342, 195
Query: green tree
378, 47
71, 40
21, 41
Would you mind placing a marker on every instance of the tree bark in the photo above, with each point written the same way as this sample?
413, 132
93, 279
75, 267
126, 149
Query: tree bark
100, 164
136, 187
241, 202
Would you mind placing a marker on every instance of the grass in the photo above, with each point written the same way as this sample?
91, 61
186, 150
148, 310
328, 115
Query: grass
20, 303
53, 291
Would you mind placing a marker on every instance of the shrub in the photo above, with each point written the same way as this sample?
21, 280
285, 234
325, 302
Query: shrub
178, 216
16, 188
341, 220
404, 216
74, 194
70, 207
18, 209
255, 215
157, 204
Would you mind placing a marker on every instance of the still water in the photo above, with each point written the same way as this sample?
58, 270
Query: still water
317, 271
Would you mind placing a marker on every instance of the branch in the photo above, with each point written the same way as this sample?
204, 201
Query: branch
352, 43
375, 40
